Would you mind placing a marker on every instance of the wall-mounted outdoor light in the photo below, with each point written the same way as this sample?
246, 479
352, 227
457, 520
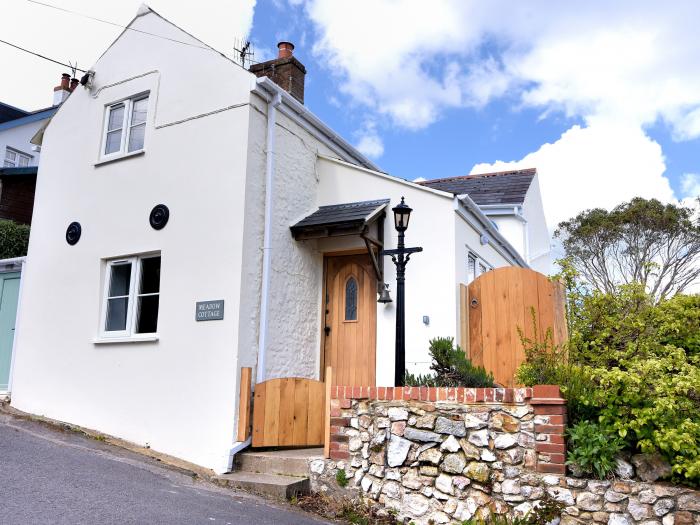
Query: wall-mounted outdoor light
400, 256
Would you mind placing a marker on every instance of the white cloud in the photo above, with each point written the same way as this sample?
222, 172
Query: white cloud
29, 81
635, 61
596, 166
690, 185
370, 143
618, 66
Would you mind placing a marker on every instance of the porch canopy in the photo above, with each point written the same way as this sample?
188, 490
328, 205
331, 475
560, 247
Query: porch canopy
352, 218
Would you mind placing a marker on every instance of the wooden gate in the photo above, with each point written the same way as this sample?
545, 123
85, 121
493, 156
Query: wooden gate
289, 412
499, 302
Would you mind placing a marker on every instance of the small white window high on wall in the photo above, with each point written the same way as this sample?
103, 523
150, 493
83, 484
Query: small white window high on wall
475, 266
131, 296
125, 127
16, 159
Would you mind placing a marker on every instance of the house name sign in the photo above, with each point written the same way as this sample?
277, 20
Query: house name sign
209, 310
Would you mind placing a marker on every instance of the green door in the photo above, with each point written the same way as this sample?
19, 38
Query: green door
9, 293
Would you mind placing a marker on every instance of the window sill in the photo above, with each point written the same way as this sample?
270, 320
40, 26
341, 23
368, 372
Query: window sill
120, 157
133, 339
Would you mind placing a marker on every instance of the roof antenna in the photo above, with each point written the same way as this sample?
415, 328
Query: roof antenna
73, 68
244, 51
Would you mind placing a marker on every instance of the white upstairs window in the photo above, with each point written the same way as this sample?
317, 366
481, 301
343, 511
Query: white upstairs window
16, 159
476, 266
131, 296
125, 127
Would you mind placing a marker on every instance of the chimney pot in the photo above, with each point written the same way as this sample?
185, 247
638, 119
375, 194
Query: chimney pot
73, 84
286, 49
61, 92
285, 71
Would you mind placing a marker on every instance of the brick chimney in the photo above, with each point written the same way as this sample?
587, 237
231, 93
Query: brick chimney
61, 92
285, 71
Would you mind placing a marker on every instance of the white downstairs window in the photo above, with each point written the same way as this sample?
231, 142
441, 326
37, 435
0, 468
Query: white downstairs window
125, 127
16, 159
131, 296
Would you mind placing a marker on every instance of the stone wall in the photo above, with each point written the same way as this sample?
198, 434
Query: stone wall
443, 455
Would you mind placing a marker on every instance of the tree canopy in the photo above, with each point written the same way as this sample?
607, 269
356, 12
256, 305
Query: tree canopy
640, 241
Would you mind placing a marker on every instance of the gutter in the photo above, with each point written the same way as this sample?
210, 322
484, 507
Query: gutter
272, 106
311, 123
501, 245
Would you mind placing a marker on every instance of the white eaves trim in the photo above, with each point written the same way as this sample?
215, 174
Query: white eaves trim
477, 218
295, 110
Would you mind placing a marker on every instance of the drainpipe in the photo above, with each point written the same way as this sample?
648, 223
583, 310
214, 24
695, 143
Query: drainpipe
265, 292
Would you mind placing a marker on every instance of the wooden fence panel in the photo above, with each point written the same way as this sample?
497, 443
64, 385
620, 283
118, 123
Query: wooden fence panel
500, 302
289, 412
244, 404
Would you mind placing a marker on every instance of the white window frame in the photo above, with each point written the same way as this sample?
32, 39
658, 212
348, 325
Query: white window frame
132, 309
19, 154
480, 265
125, 128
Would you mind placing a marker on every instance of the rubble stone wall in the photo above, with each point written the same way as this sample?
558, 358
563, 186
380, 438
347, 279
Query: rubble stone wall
444, 455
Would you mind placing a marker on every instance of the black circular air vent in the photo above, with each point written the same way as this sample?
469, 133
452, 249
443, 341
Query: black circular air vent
159, 216
73, 233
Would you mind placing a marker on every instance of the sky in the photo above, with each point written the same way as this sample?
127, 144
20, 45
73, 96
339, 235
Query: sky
603, 98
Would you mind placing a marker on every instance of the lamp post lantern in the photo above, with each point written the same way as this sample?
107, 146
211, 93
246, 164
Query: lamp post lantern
400, 256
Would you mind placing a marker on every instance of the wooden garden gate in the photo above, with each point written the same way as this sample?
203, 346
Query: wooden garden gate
289, 412
499, 302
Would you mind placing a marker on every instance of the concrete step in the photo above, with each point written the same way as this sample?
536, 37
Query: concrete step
284, 487
282, 462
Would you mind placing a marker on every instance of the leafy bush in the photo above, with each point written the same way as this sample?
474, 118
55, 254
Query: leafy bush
548, 364
14, 239
451, 367
593, 449
631, 368
654, 404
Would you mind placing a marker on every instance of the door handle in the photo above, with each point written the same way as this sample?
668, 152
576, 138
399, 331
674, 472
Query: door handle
327, 329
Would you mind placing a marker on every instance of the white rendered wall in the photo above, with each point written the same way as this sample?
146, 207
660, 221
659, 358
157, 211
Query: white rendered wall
513, 229
18, 138
538, 233
430, 275
178, 394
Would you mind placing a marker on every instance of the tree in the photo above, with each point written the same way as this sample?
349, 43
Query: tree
641, 241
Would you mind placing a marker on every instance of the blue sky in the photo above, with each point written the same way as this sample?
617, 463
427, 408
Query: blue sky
511, 123
603, 98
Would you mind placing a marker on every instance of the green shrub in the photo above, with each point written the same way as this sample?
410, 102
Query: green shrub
14, 239
593, 449
548, 364
451, 367
654, 404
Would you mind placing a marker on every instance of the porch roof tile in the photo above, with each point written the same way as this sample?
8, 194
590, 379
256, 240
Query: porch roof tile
346, 214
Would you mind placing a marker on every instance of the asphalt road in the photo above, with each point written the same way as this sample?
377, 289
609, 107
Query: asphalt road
52, 477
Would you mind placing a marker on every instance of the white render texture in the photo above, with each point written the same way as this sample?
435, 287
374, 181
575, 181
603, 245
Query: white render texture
177, 395
205, 158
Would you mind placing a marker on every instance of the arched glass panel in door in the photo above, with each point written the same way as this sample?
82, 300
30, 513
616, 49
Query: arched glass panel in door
351, 299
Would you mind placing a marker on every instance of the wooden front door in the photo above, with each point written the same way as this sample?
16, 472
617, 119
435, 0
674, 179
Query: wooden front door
350, 327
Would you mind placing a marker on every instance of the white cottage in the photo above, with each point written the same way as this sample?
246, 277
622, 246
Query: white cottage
193, 218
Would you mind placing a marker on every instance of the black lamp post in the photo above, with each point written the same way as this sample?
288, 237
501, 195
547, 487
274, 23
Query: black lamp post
401, 255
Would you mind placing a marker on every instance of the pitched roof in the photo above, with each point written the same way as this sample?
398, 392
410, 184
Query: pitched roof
339, 217
503, 187
8, 112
